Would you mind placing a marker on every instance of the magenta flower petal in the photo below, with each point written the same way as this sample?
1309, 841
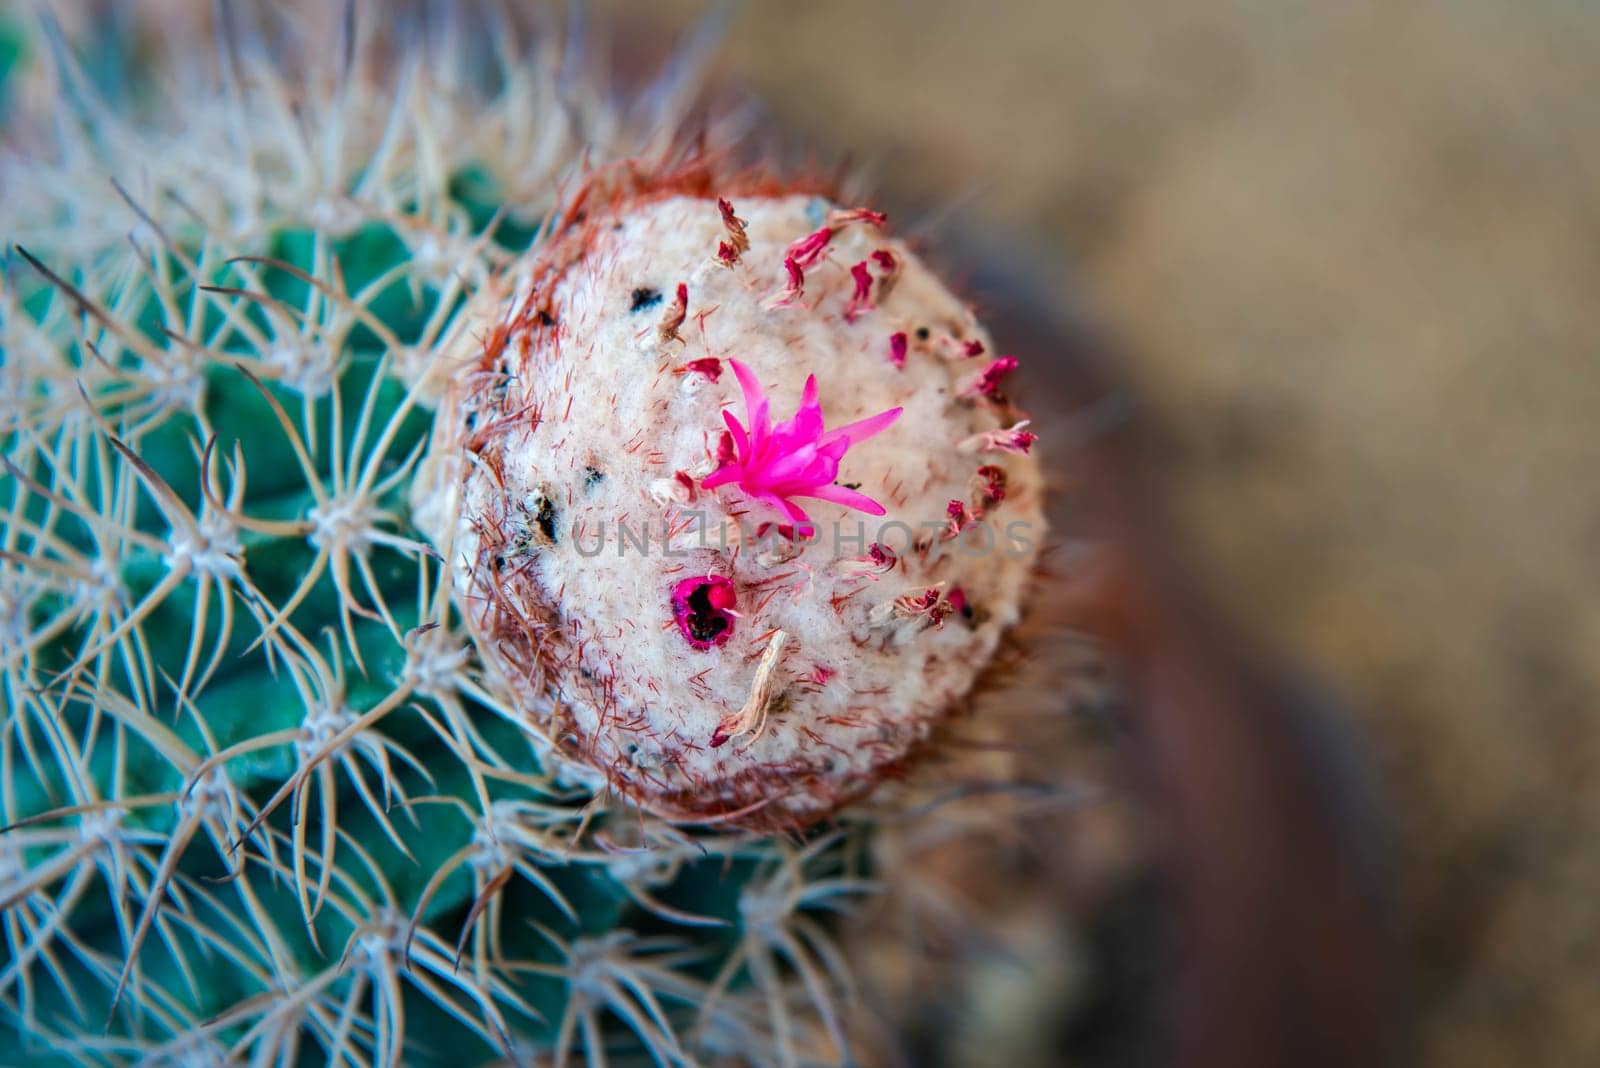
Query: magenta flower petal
755, 401
721, 476
741, 440
834, 450
862, 429
803, 465
792, 510
849, 498
808, 397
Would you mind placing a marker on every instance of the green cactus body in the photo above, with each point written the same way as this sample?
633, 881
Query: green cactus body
263, 803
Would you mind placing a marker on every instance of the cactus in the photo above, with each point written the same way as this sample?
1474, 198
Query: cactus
326, 739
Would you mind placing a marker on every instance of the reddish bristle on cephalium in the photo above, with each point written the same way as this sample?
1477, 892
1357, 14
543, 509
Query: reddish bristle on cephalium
670, 627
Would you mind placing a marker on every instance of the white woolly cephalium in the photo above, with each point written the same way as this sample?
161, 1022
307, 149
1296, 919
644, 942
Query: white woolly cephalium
724, 634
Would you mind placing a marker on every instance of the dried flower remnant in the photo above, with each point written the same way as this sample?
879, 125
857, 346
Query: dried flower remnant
986, 383
1013, 439
888, 271
709, 366
842, 217
861, 276
795, 288
737, 242
752, 715
861, 299
992, 485
674, 316
929, 607
898, 346
957, 519
806, 251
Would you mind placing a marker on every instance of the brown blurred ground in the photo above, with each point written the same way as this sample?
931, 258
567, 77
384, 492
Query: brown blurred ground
1354, 251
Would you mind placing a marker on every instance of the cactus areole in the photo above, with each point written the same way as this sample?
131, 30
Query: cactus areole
736, 506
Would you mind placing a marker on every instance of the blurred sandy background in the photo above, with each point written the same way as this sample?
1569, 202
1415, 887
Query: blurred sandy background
1354, 253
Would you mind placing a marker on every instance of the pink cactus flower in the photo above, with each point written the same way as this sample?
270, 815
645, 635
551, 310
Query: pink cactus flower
796, 458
